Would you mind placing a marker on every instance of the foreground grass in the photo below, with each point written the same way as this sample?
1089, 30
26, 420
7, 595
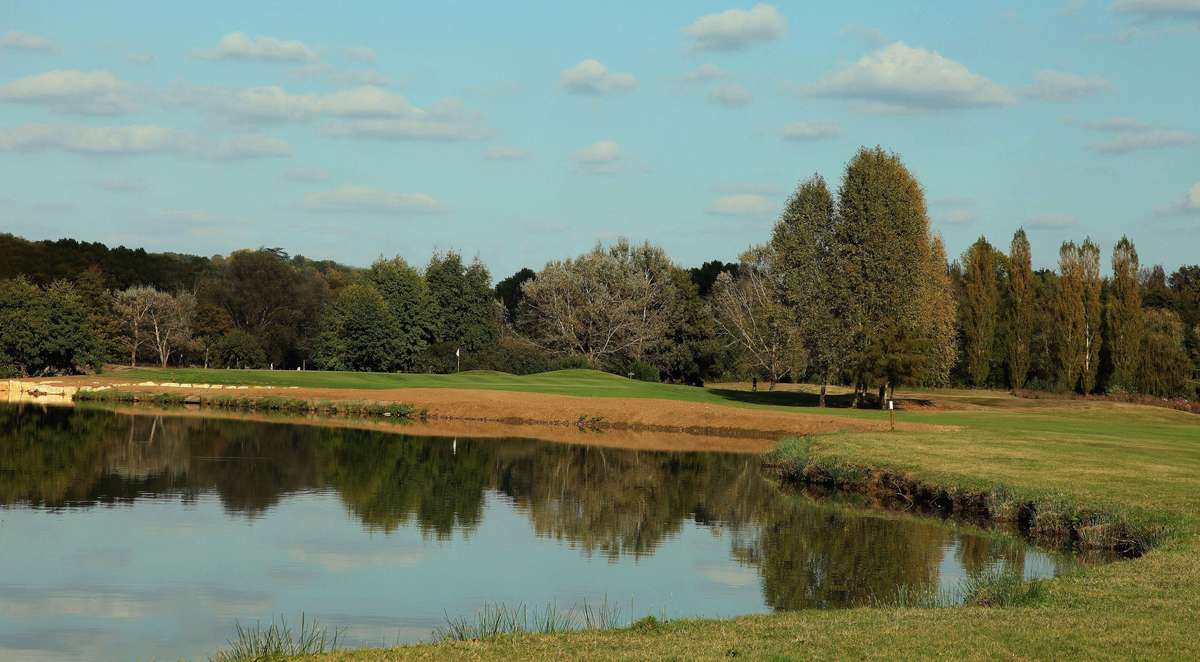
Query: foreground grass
1140, 461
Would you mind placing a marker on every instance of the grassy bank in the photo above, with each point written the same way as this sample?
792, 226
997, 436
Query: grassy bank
1140, 464
397, 410
582, 383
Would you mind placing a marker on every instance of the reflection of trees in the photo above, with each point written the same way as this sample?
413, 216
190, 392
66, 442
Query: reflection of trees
604, 501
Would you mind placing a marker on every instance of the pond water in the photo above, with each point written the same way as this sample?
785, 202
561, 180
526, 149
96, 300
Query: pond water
149, 536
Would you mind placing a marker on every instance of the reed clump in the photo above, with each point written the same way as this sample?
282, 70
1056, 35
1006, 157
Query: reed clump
396, 410
277, 641
498, 619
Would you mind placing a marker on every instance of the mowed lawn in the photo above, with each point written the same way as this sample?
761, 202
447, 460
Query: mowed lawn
582, 383
1140, 460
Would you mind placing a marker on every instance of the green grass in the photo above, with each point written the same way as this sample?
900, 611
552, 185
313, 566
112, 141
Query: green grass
577, 382
1135, 463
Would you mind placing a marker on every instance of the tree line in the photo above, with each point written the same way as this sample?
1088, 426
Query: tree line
851, 288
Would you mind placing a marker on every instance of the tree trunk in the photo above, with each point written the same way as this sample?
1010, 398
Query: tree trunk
882, 391
821, 402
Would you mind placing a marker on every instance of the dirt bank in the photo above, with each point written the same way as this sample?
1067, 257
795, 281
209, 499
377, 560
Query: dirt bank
537, 409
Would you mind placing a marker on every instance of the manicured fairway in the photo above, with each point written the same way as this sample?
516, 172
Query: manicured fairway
1143, 462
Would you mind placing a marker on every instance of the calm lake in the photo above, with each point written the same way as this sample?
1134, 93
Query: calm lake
142, 537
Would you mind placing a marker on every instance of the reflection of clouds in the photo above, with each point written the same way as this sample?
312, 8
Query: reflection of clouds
346, 559
726, 575
58, 644
27, 604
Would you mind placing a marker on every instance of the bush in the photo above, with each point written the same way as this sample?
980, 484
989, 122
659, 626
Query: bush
643, 372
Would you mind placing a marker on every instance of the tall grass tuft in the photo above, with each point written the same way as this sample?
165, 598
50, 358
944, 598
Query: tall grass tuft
1002, 588
498, 619
277, 641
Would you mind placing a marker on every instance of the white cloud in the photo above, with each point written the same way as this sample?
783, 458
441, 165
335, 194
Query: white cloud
1131, 135
873, 37
1165, 9
592, 77
1054, 85
745, 205
1052, 222
137, 140
25, 41
140, 58
359, 54
367, 111
336, 75
600, 158
505, 153
802, 131
1190, 204
307, 175
730, 95
237, 46
733, 29
901, 78
364, 199
71, 91
704, 72
957, 217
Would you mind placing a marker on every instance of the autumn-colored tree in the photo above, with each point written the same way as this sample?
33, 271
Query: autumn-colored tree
1124, 315
1070, 345
939, 317
1021, 312
750, 315
1163, 362
980, 306
881, 241
1093, 314
810, 283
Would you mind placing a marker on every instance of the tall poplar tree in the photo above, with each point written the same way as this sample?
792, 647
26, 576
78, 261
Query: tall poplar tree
1124, 315
881, 241
1021, 311
1093, 314
810, 282
1069, 343
980, 306
939, 317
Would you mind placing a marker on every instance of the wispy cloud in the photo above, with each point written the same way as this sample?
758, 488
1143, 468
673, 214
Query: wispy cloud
1052, 221
505, 153
239, 47
730, 95
605, 157
367, 200
1128, 135
138, 140
1189, 204
590, 77
805, 131
25, 42
743, 205
72, 91
1052, 85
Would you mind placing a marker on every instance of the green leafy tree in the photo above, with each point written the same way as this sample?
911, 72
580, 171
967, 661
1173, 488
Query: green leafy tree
239, 349
359, 332
1163, 363
509, 292
810, 280
938, 318
463, 298
980, 308
45, 331
882, 240
410, 303
1070, 317
1124, 315
1020, 310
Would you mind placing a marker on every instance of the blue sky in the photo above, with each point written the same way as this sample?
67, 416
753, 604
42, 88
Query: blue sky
524, 132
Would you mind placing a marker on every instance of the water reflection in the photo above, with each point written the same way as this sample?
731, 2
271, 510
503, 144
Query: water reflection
342, 522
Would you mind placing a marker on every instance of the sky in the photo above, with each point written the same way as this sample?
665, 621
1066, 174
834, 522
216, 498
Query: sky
524, 132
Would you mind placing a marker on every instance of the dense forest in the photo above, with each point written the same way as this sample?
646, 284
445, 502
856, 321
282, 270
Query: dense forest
851, 288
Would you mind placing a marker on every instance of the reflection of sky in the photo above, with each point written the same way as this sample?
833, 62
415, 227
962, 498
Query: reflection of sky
165, 579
